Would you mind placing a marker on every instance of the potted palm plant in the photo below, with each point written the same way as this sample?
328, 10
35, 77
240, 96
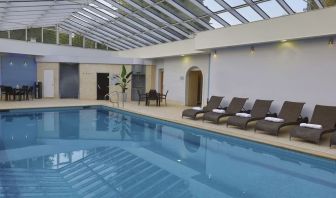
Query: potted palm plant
122, 80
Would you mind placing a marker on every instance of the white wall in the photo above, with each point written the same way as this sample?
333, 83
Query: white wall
175, 70
296, 71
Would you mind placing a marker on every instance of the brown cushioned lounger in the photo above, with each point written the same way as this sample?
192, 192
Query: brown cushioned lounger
290, 112
333, 139
213, 103
258, 112
235, 106
323, 115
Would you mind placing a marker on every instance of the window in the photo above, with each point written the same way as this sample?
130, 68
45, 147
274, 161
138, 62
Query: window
101, 46
18, 34
77, 40
63, 38
3, 34
49, 35
89, 43
34, 34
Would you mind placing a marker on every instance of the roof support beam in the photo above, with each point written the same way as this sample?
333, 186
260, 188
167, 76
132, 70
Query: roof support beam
136, 24
144, 20
101, 23
129, 27
318, 3
169, 14
98, 39
188, 13
285, 6
256, 8
234, 12
148, 13
210, 13
79, 25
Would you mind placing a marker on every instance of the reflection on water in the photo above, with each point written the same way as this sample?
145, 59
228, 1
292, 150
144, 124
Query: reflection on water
149, 157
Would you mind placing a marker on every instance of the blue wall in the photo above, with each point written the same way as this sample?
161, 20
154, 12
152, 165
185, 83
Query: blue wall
14, 71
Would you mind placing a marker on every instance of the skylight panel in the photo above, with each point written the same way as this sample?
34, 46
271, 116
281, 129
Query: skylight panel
107, 4
298, 5
215, 24
87, 16
213, 5
95, 14
249, 14
272, 8
234, 3
103, 10
80, 18
228, 17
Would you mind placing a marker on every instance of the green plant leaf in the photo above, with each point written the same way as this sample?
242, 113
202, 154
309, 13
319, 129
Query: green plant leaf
129, 74
123, 72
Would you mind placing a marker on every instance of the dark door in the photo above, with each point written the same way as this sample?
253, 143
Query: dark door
102, 86
69, 80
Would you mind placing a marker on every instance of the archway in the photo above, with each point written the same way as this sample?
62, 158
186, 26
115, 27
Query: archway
194, 86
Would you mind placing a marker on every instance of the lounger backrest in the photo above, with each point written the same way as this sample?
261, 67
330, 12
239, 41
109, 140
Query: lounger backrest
260, 108
213, 103
290, 111
325, 116
236, 105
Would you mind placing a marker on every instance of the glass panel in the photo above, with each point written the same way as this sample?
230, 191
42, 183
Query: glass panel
35, 34
161, 15
174, 11
215, 24
107, 4
272, 8
213, 5
49, 36
192, 8
249, 14
77, 40
63, 38
18, 34
3, 34
103, 10
234, 3
96, 14
228, 17
298, 5
89, 43
101, 46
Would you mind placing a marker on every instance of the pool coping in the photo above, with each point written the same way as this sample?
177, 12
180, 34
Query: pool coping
225, 131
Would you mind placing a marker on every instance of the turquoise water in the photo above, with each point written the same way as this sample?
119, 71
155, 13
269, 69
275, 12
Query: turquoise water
102, 152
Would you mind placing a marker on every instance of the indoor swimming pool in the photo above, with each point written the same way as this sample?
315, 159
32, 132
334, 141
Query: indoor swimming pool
96, 151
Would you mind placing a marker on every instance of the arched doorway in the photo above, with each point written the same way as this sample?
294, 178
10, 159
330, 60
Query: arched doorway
194, 86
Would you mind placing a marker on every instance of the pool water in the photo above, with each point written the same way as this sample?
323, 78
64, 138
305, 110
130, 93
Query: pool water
97, 151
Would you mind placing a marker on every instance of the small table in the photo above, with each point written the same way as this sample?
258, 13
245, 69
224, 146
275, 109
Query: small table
156, 98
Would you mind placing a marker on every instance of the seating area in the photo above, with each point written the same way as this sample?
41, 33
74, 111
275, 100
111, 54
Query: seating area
152, 95
323, 119
16, 93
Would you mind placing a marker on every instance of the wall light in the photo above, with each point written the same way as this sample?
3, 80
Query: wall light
11, 63
283, 41
182, 55
331, 42
252, 50
25, 64
215, 54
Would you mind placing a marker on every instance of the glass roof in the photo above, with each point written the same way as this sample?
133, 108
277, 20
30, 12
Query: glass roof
126, 24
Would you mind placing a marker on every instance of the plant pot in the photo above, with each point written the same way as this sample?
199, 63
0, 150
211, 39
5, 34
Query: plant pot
124, 97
